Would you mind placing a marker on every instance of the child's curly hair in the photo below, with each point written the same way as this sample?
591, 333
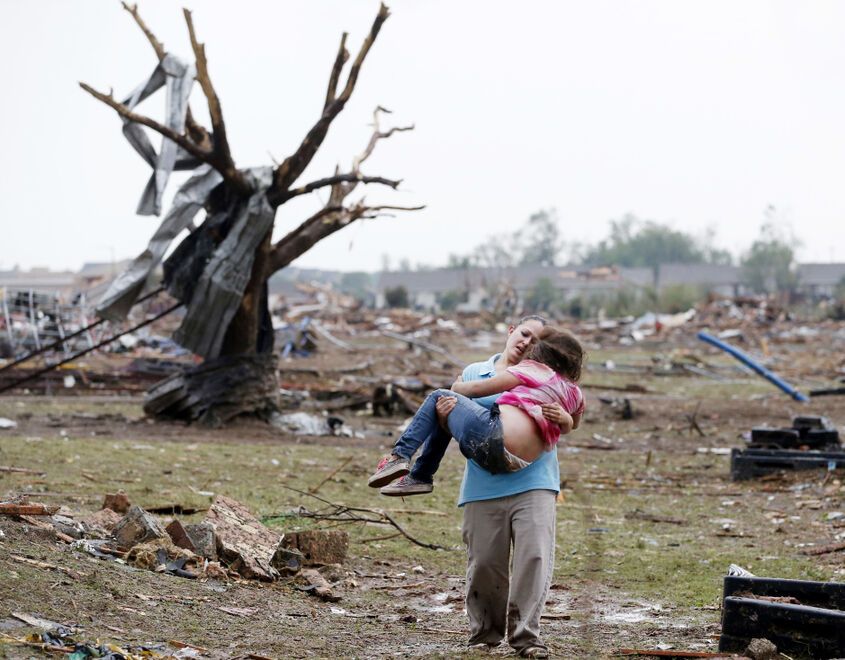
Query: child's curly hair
560, 350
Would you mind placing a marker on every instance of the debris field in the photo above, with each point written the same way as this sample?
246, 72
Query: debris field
123, 533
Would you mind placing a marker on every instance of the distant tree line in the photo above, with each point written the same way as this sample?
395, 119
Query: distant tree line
768, 265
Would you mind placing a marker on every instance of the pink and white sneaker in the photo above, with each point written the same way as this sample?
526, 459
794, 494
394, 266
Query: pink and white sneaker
389, 468
407, 486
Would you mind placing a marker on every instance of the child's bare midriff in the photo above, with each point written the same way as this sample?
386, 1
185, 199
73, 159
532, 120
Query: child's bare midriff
521, 436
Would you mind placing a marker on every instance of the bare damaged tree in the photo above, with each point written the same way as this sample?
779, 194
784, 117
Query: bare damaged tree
206, 271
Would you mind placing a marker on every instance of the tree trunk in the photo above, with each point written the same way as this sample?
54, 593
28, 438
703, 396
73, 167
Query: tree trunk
244, 332
243, 380
218, 390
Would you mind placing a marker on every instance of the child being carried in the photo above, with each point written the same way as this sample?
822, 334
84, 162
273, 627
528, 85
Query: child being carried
514, 432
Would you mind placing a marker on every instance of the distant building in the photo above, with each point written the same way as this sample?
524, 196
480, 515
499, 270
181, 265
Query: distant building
481, 286
38, 280
713, 278
820, 280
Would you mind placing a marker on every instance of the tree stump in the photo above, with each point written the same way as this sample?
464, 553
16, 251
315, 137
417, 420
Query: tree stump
218, 390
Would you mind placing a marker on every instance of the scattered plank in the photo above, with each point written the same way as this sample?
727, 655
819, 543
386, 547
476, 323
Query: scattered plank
35, 621
43, 564
651, 517
10, 509
671, 653
9, 468
242, 612
425, 346
390, 587
824, 549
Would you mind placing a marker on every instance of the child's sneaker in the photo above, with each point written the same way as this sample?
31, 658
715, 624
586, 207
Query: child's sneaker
389, 468
407, 486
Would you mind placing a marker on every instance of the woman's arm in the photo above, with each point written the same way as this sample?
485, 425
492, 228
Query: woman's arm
495, 385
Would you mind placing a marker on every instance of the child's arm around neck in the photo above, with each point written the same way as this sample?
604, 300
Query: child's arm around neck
496, 385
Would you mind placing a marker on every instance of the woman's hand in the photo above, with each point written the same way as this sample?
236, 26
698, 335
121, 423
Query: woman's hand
460, 387
555, 413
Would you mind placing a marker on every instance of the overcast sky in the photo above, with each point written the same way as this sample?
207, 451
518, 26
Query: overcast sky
694, 114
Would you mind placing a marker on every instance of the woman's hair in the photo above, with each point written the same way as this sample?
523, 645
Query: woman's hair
533, 317
560, 350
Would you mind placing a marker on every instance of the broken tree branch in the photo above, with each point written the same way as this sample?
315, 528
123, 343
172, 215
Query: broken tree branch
334, 215
343, 512
342, 178
233, 176
198, 132
352, 78
340, 60
196, 151
218, 126
323, 223
294, 165
331, 475
377, 135
158, 47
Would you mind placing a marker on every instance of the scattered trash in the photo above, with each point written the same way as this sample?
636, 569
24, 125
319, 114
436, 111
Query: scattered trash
6, 423
302, 423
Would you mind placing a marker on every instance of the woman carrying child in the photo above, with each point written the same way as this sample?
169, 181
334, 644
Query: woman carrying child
514, 432
509, 517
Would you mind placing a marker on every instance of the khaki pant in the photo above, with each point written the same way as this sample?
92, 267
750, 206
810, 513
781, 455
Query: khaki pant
503, 589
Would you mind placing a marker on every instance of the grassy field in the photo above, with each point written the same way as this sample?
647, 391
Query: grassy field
648, 521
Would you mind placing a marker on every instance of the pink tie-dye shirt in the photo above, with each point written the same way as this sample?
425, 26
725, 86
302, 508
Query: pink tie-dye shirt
541, 384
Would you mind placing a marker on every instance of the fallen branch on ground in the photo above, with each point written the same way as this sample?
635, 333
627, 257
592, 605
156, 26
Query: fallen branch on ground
341, 512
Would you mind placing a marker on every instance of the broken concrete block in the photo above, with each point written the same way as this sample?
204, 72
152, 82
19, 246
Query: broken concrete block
68, 526
179, 536
318, 586
288, 561
214, 571
137, 526
204, 540
118, 502
319, 547
100, 523
242, 541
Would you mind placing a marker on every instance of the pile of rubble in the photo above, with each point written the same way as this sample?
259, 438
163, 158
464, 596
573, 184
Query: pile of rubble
230, 543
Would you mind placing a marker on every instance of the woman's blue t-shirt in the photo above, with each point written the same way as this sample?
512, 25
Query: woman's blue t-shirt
479, 484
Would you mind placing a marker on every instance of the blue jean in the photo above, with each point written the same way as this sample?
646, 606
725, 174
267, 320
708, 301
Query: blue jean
477, 430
